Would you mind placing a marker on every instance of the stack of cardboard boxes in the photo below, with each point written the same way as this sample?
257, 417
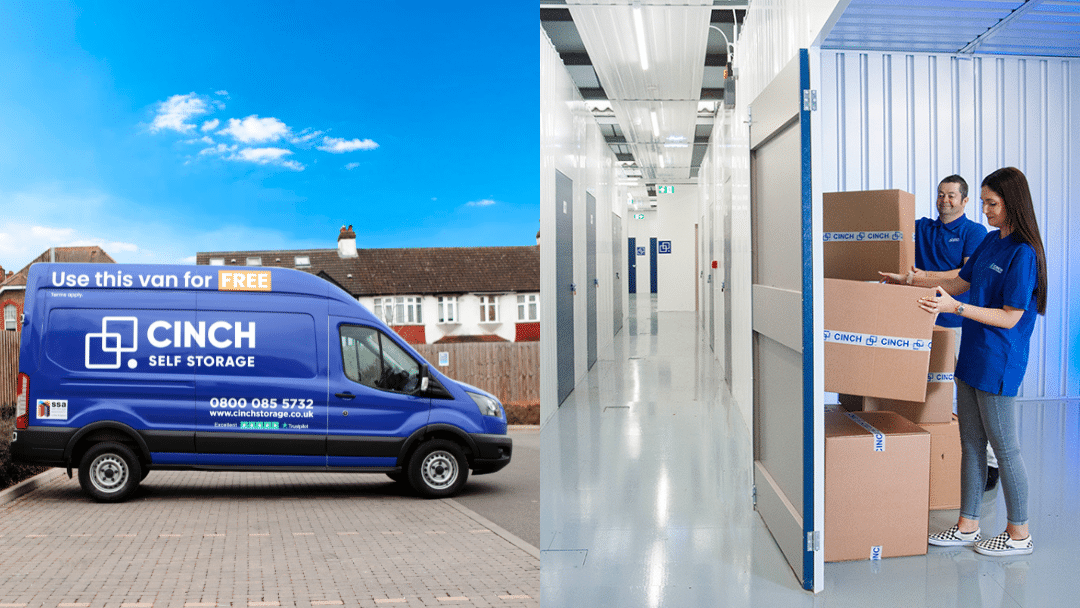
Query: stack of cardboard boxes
895, 453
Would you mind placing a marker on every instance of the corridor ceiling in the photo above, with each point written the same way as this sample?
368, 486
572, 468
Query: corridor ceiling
657, 120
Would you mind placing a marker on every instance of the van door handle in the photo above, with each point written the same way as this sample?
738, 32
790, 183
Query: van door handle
344, 395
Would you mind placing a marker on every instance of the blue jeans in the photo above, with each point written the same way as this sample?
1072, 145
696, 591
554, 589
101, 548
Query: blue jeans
984, 416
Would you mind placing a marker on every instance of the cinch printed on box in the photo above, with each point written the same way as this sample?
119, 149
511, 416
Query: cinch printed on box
863, 236
879, 437
876, 341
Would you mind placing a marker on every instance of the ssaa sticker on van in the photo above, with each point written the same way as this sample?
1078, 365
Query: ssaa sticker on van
244, 280
52, 409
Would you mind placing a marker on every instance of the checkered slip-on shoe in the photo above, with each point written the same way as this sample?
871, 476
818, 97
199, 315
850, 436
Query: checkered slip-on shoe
953, 537
1003, 544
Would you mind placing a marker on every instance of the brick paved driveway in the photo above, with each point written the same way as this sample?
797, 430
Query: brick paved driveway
255, 539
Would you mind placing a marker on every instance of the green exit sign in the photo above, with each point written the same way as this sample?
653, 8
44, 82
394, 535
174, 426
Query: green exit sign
639, 216
665, 189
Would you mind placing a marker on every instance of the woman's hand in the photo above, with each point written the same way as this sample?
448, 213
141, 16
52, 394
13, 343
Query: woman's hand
908, 278
941, 301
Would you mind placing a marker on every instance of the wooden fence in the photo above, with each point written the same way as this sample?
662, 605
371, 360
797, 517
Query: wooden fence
9, 368
508, 370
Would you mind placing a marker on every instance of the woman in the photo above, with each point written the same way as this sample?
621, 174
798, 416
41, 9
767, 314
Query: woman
1006, 277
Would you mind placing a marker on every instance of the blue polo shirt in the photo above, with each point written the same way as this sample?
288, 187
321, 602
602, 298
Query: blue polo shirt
941, 246
1002, 272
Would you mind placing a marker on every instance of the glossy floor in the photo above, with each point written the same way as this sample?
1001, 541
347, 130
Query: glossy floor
646, 499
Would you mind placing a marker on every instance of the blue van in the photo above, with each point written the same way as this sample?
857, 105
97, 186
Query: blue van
124, 369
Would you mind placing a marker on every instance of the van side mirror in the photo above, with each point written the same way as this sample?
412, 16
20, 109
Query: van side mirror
424, 379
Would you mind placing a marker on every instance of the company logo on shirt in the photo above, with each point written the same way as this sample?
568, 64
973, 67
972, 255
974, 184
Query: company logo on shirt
955, 239
996, 268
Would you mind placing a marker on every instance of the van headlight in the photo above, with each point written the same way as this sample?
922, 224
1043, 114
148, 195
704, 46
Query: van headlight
487, 405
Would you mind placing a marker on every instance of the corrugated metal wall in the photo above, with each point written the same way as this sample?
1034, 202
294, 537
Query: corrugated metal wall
896, 120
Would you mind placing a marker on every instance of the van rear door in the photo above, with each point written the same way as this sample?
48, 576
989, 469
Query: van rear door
260, 380
374, 396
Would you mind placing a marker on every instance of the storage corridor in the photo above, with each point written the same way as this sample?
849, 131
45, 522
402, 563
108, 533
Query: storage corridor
647, 497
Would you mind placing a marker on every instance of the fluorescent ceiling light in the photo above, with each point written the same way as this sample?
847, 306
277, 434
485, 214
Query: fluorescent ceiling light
662, 164
655, 124
671, 145
639, 27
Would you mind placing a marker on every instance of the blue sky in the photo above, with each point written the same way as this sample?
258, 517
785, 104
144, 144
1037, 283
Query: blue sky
158, 130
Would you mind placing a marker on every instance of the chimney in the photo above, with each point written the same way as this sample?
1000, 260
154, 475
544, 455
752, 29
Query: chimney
346, 243
537, 237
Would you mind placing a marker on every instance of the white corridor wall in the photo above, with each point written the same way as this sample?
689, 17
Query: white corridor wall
572, 143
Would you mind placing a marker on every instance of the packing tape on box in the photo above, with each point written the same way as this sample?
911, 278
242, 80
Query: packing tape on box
876, 341
879, 437
875, 553
939, 377
866, 236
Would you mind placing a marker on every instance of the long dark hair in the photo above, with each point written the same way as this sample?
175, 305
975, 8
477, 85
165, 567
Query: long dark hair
1010, 184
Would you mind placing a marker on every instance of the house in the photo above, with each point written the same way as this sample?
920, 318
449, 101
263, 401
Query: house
428, 295
13, 284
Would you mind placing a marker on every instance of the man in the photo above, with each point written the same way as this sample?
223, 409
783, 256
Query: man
944, 245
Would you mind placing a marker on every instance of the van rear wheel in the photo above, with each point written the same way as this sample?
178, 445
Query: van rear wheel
110, 472
438, 469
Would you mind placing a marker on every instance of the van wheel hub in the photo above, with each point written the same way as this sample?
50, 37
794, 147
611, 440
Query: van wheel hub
108, 472
439, 469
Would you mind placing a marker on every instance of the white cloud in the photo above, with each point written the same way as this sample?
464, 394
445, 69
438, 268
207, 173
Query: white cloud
25, 242
255, 130
352, 166
305, 137
259, 156
174, 113
222, 93
205, 139
263, 155
481, 203
110, 247
210, 125
218, 150
337, 145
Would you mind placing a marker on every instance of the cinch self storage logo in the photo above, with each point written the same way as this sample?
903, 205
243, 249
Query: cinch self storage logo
118, 335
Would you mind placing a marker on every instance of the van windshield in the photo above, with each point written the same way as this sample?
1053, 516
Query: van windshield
372, 359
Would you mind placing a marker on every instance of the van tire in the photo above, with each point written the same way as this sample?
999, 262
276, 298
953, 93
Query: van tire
438, 469
110, 472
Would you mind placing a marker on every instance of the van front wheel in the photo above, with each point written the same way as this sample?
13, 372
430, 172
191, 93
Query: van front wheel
110, 472
438, 469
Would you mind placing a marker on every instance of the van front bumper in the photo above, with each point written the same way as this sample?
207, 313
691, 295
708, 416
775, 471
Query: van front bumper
492, 453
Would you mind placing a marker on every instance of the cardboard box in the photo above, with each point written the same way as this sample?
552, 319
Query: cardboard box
937, 408
877, 340
944, 464
877, 486
850, 403
866, 232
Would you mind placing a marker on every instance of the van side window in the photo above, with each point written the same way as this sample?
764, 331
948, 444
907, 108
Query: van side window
372, 359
